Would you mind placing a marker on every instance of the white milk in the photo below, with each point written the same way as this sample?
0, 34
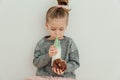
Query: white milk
58, 46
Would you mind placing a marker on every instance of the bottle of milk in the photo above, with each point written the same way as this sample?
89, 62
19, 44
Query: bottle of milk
58, 46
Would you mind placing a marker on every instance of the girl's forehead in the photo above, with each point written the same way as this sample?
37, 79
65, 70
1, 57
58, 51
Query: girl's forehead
58, 22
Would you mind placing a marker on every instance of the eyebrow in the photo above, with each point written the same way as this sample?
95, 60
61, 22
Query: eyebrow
60, 27
52, 27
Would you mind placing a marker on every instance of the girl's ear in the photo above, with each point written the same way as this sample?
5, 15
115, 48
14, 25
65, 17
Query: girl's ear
46, 26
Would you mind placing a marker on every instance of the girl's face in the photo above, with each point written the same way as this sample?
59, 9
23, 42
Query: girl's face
57, 27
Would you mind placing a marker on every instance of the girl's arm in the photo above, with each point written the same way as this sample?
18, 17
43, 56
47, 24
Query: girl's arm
73, 62
41, 57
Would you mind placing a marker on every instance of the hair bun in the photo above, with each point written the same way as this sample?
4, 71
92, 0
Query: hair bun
62, 2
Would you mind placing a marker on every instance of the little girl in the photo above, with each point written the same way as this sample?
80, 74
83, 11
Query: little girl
56, 24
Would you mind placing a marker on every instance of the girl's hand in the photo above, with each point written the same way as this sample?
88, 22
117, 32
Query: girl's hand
58, 71
52, 50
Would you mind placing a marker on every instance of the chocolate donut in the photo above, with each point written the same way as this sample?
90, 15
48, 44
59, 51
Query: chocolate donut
60, 64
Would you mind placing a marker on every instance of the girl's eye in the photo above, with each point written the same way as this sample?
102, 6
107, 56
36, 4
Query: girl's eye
53, 29
61, 29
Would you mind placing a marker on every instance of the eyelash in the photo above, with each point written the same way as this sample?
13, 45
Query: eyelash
61, 29
55, 29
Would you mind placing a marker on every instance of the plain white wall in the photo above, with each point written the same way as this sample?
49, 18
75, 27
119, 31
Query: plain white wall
94, 25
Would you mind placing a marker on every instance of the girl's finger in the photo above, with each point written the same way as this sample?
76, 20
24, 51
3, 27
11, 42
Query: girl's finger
53, 52
58, 71
53, 46
61, 72
54, 70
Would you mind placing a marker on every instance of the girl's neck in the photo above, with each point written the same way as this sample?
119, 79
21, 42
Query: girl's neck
53, 38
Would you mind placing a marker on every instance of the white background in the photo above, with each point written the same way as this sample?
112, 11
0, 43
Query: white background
94, 25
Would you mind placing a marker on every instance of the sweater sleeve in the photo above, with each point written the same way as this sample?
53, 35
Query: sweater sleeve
73, 62
41, 57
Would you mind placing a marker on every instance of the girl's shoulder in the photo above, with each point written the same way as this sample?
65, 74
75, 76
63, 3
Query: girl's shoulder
69, 39
72, 43
41, 41
44, 41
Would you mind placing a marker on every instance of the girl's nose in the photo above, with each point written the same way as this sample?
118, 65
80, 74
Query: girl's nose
57, 33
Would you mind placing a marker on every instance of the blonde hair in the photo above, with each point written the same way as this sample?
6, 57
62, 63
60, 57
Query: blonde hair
56, 12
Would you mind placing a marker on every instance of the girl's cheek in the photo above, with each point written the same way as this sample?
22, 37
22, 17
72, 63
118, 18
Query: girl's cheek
53, 33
